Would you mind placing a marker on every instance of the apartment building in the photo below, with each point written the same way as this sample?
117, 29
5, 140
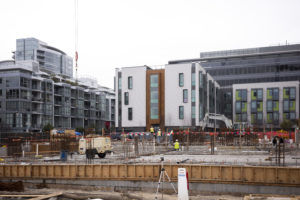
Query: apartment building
50, 59
30, 98
167, 97
266, 105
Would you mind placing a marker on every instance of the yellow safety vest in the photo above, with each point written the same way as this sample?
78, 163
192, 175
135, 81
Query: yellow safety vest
159, 133
151, 130
176, 145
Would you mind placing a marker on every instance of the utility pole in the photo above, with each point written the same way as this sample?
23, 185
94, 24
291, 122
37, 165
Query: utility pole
215, 115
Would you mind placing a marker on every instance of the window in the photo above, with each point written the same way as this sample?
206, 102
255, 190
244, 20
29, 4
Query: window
253, 106
24, 82
181, 112
193, 96
130, 82
269, 106
237, 107
292, 93
12, 105
244, 95
119, 83
244, 117
259, 94
129, 113
292, 115
126, 98
12, 94
200, 79
285, 106
154, 97
275, 93
185, 96
259, 116
154, 80
193, 112
276, 116
181, 80
193, 79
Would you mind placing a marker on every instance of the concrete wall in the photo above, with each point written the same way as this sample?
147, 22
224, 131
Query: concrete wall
150, 186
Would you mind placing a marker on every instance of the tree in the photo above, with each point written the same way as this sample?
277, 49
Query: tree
47, 128
79, 129
286, 125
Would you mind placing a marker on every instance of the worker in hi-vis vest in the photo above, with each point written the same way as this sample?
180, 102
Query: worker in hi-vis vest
158, 135
176, 145
152, 132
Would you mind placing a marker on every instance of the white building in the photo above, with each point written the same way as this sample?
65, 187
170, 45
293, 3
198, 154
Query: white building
176, 96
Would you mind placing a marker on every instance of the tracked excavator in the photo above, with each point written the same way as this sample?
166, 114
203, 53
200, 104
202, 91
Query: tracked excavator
219, 117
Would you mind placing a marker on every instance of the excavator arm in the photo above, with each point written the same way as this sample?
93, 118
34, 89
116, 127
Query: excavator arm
219, 117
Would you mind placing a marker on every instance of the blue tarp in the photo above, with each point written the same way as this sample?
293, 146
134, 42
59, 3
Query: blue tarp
78, 133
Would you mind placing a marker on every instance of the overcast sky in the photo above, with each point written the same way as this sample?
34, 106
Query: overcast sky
122, 33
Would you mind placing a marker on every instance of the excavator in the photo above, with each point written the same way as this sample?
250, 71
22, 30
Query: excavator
220, 117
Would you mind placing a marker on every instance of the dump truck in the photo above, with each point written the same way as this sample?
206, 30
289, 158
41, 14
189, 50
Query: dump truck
95, 145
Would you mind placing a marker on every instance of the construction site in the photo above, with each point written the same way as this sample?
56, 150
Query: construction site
221, 165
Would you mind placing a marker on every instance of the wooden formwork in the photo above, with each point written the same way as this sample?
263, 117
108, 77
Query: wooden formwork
282, 176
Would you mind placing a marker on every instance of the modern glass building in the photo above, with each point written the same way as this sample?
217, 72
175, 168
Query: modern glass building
36, 91
251, 65
50, 59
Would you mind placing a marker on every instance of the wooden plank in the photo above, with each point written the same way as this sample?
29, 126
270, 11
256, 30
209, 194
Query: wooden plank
47, 196
20, 195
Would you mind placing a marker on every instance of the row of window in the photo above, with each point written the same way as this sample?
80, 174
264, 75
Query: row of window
254, 79
272, 93
253, 70
181, 79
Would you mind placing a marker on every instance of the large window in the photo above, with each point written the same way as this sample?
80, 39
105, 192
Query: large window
129, 113
119, 83
12, 94
126, 98
285, 105
193, 79
185, 96
130, 82
269, 106
237, 107
24, 82
253, 106
181, 112
193, 96
200, 79
154, 80
154, 97
181, 80
244, 95
275, 93
292, 93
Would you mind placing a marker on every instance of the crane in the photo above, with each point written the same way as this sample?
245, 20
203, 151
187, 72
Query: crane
220, 117
76, 38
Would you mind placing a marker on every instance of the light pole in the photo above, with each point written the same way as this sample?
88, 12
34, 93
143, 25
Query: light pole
215, 109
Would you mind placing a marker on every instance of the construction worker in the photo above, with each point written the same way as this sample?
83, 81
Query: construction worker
158, 135
176, 145
152, 132
171, 137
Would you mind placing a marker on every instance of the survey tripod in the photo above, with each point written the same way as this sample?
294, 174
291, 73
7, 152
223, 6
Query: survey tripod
162, 175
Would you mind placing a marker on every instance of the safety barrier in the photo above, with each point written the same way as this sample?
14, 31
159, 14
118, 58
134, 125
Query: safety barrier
282, 176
